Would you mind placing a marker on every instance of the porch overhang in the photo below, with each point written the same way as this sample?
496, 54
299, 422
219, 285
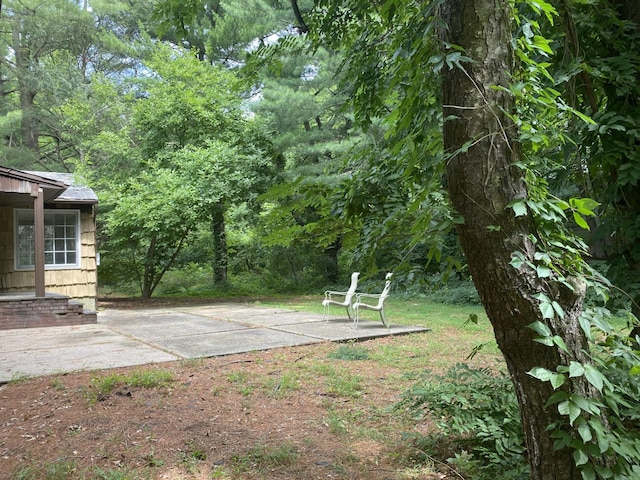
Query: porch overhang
24, 189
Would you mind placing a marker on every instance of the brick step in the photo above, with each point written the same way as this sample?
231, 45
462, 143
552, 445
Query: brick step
50, 311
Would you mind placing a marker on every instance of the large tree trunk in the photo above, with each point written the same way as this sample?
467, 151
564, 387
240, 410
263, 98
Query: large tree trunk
29, 127
221, 256
482, 180
331, 257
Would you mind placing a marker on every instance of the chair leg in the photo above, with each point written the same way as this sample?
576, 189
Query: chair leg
349, 312
356, 314
383, 318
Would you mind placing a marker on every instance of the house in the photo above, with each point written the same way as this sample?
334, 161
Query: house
48, 268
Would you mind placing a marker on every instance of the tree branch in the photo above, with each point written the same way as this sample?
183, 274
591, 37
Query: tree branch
302, 26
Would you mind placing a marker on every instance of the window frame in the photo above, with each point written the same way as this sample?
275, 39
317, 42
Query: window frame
48, 266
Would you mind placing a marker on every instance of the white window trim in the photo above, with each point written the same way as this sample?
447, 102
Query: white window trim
67, 266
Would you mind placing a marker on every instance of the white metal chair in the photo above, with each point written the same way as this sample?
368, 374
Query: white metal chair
379, 307
329, 297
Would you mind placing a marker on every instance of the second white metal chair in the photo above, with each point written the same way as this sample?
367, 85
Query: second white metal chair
379, 307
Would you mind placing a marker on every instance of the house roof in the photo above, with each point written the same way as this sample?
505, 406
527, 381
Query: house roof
18, 185
75, 193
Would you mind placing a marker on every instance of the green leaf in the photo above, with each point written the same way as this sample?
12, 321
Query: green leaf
547, 310
601, 435
569, 409
543, 44
559, 341
588, 473
575, 370
517, 260
580, 457
580, 221
541, 373
519, 208
543, 271
557, 397
558, 309
540, 328
556, 379
585, 433
585, 206
593, 375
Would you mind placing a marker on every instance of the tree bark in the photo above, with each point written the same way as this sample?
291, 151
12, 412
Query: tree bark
302, 26
29, 128
149, 269
331, 256
482, 179
221, 256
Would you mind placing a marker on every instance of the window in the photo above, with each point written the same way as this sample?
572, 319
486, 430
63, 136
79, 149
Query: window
61, 239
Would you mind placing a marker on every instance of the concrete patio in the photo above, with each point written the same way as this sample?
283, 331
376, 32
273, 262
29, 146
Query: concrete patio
138, 337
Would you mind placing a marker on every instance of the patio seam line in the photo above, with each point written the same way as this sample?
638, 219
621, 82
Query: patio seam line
151, 345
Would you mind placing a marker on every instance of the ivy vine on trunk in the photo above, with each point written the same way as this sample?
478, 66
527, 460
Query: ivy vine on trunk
484, 181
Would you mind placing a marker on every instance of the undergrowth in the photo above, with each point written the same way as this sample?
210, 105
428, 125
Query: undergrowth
479, 430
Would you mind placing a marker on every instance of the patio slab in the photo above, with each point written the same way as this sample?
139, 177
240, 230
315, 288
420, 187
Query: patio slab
136, 337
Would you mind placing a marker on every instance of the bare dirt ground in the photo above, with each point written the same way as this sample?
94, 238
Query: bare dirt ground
288, 413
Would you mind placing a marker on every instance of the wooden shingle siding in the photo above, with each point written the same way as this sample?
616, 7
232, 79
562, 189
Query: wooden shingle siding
80, 284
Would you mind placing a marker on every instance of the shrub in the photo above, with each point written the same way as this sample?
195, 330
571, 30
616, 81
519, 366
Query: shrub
477, 415
453, 292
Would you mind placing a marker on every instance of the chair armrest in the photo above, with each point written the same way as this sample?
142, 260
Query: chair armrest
367, 295
331, 292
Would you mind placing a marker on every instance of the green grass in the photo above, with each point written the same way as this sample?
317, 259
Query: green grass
102, 387
261, 456
452, 337
243, 381
282, 385
62, 469
350, 352
191, 457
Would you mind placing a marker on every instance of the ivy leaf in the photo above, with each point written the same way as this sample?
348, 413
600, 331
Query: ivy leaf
517, 260
558, 309
580, 457
594, 377
547, 310
569, 409
519, 207
588, 473
575, 370
540, 328
559, 341
556, 379
585, 433
541, 373
543, 271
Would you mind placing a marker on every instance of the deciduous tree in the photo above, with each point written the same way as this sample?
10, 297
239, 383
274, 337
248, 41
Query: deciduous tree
526, 267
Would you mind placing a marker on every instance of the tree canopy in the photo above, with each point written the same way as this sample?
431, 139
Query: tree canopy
334, 136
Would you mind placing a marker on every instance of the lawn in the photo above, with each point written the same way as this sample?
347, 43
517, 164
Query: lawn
317, 411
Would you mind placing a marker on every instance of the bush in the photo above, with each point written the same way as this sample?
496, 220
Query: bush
477, 415
454, 292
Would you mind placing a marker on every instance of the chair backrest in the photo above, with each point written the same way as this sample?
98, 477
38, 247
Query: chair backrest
352, 288
385, 290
